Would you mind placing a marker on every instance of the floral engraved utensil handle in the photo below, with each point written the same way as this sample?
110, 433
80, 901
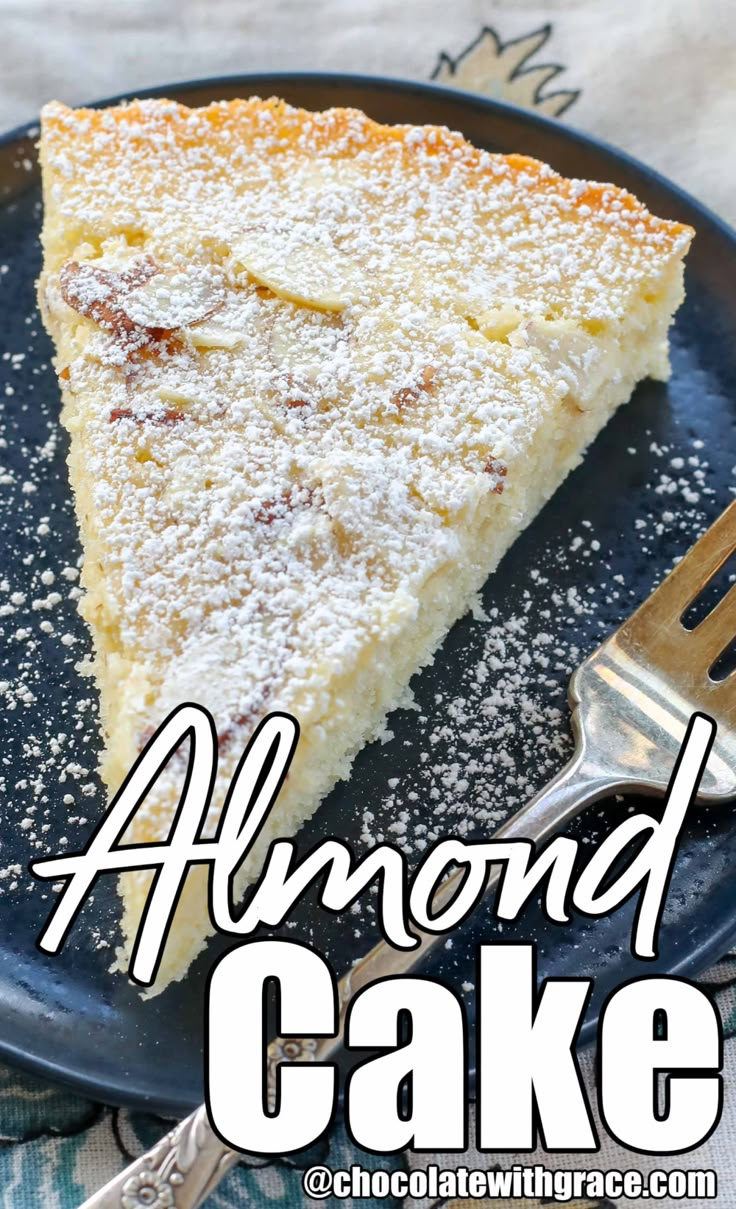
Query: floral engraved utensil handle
187, 1165
178, 1173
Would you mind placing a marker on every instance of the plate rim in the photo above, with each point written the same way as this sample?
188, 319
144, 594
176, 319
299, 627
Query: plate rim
688, 965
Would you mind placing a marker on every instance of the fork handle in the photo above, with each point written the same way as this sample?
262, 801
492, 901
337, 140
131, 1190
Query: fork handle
186, 1165
577, 785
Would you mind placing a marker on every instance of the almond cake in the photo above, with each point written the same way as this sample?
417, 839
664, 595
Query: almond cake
317, 373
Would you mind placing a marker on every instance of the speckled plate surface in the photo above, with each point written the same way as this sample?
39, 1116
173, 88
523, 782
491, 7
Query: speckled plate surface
491, 722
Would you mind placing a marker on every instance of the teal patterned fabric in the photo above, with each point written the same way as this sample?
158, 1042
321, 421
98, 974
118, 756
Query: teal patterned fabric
56, 1149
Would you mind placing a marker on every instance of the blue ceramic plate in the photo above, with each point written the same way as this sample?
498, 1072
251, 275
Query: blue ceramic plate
658, 474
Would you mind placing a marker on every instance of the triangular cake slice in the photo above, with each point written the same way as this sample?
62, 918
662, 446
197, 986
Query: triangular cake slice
318, 373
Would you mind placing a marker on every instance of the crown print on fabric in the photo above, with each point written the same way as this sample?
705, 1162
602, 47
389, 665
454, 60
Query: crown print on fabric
498, 69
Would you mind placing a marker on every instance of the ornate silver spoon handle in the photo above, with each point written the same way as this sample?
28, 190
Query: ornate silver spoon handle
179, 1172
186, 1165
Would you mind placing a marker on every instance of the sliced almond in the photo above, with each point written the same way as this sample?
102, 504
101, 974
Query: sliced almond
209, 335
299, 267
568, 351
306, 344
170, 394
172, 299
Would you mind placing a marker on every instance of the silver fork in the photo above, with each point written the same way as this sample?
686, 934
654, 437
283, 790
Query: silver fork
631, 703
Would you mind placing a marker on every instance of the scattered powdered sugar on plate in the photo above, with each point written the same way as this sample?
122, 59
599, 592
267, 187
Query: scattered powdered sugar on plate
48, 782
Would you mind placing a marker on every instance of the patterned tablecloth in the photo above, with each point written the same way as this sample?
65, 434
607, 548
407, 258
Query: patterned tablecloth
655, 78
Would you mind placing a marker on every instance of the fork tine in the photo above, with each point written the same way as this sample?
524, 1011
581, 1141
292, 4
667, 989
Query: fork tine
686, 580
715, 631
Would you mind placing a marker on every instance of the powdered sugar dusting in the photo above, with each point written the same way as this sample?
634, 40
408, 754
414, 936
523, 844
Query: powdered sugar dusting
475, 754
276, 496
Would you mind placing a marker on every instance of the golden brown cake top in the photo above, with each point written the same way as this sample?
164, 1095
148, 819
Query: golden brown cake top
157, 170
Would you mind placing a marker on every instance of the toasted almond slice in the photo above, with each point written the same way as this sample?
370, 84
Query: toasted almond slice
299, 268
172, 300
171, 394
210, 335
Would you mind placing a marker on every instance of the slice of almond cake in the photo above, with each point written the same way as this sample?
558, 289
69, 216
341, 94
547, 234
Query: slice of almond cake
318, 374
